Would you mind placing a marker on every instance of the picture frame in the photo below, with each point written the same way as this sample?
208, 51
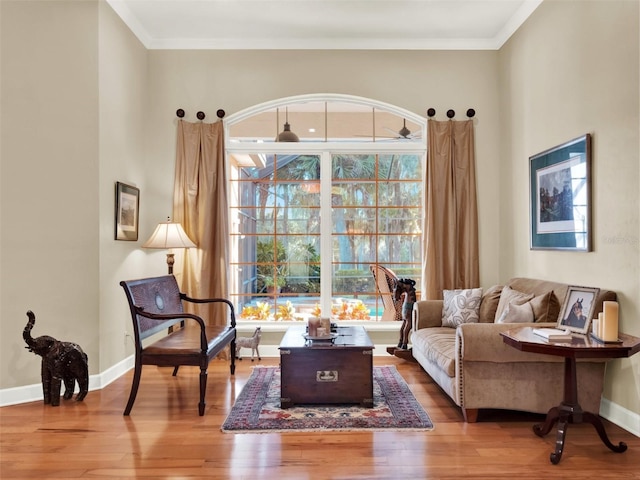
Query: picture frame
127, 212
560, 197
578, 308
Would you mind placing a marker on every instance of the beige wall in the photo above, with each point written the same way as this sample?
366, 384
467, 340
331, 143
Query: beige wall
573, 69
123, 114
49, 248
235, 80
84, 106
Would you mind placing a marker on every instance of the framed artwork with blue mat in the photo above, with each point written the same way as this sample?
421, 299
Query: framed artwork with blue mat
560, 196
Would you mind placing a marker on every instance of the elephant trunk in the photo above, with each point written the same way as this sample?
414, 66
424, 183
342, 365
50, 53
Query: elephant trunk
26, 334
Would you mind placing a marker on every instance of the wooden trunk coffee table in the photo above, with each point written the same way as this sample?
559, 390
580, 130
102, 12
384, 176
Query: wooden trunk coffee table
324, 372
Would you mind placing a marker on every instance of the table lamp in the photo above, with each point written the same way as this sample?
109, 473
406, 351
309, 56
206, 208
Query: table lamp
169, 235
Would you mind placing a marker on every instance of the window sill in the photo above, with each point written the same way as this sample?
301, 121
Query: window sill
282, 326
383, 334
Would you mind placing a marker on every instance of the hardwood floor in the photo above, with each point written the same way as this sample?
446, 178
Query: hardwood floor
165, 438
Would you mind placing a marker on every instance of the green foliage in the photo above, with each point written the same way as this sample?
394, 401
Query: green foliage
271, 268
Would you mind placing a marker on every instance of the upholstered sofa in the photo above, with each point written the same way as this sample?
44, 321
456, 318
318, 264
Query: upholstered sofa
473, 365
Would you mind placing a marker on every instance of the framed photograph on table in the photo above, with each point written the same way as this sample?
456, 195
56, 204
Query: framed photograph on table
578, 308
560, 196
127, 212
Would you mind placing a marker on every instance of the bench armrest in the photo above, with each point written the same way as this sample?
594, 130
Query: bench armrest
186, 298
163, 317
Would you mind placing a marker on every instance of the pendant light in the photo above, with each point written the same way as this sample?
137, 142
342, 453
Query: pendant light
287, 135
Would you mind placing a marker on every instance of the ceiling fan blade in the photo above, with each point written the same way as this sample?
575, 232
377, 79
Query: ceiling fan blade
377, 136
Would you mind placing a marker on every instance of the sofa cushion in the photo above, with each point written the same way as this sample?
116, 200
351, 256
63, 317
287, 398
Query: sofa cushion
546, 307
489, 304
508, 296
438, 345
517, 314
460, 306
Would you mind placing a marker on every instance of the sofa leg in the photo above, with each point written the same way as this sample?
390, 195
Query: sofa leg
470, 415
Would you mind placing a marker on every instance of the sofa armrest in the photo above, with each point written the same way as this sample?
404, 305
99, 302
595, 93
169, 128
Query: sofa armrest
482, 342
426, 313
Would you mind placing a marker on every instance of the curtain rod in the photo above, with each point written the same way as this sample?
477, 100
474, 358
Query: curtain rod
200, 115
430, 113
450, 113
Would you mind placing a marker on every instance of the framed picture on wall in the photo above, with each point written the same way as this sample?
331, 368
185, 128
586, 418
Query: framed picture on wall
560, 196
127, 212
577, 311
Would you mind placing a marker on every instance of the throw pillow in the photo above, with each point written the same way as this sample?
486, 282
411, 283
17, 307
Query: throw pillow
517, 314
460, 306
489, 304
511, 296
545, 307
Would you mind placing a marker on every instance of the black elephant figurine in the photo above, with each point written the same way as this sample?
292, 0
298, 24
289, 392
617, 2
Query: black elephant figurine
61, 362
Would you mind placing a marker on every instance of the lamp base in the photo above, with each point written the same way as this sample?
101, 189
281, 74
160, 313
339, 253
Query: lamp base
170, 261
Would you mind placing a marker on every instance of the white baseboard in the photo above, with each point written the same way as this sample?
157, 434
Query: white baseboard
619, 415
613, 412
33, 393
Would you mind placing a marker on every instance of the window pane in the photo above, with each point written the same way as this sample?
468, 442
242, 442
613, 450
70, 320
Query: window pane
351, 167
400, 167
399, 193
394, 220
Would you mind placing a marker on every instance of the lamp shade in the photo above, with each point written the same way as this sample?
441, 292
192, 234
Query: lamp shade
287, 135
169, 235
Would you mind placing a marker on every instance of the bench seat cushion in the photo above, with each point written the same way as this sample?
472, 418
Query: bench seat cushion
186, 341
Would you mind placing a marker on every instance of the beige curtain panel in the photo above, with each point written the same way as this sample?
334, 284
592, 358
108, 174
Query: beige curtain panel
450, 243
200, 205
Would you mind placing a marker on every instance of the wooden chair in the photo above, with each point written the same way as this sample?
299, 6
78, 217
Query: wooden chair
156, 306
385, 280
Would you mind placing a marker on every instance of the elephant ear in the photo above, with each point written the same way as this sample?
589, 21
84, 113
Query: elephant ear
47, 341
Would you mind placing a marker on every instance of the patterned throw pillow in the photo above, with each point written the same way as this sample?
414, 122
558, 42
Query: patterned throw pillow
461, 306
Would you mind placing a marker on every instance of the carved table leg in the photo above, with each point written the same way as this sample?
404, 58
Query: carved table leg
597, 424
542, 429
569, 411
563, 424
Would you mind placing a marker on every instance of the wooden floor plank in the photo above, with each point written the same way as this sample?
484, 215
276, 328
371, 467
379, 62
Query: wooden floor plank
165, 438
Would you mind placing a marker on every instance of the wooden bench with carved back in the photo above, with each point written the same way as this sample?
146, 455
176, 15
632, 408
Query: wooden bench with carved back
156, 305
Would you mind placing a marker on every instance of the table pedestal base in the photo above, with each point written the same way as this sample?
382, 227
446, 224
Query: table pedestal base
569, 411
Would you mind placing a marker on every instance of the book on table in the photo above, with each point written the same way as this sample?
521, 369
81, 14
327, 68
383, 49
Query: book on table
553, 334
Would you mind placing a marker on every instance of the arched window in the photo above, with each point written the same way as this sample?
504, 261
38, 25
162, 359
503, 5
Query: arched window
311, 209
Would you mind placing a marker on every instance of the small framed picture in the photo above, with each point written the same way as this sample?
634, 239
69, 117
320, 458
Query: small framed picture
127, 208
578, 309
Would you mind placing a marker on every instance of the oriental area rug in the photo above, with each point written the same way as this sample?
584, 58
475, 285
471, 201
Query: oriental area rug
257, 409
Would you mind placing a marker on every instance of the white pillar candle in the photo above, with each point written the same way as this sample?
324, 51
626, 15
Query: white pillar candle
600, 325
595, 325
610, 321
